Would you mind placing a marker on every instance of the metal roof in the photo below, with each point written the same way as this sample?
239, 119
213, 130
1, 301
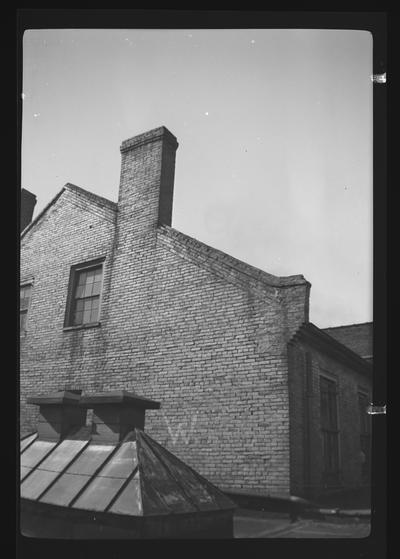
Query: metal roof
134, 477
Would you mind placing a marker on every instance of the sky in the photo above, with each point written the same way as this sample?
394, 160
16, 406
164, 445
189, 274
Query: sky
274, 164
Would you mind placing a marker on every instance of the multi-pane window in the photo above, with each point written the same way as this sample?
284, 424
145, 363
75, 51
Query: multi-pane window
84, 305
25, 297
330, 431
365, 436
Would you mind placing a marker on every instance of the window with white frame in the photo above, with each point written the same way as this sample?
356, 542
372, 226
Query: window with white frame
84, 294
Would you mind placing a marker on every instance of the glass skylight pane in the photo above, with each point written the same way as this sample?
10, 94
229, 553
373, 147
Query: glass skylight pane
36, 452
122, 463
130, 500
98, 495
90, 459
190, 483
36, 483
26, 441
156, 476
62, 455
24, 471
64, 489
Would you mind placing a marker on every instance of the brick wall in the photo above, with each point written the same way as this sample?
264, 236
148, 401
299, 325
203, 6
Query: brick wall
73, 230
181, 323
306, 365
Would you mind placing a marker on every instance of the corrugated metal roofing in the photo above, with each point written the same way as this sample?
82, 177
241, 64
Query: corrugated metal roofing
135, 477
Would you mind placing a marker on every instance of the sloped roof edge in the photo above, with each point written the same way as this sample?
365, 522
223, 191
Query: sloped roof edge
240, 266
344, 326
90, 196
358, 337
310, 333
41, 214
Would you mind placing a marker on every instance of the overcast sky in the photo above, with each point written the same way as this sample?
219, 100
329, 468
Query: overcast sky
274, 164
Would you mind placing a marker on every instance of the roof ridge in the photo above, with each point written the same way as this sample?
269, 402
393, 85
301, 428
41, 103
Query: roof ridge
77, 190
241, 266
90, 194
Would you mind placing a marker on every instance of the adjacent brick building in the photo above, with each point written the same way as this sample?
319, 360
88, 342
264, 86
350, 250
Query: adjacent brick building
358, 337
114, 298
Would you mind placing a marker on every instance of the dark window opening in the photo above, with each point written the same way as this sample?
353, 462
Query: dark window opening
25, 297
330, 431
365, 437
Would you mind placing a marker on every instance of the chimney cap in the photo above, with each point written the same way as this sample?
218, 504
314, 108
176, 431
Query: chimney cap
118, 397
56, 398
29, 194
154, 135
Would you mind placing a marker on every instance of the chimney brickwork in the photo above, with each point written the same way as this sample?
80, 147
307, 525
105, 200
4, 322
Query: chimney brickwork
28, 203
116, 413
59, 414
146, 183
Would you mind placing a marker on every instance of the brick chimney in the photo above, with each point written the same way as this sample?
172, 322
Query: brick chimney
116, 413
147, 179
144, 202
28, 203
59, 414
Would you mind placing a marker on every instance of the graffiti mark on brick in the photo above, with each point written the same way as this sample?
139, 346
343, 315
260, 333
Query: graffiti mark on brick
183, 430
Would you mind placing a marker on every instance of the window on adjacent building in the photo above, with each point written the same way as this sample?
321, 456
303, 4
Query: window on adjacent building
365, 436
25, 297
330, 430
84, 295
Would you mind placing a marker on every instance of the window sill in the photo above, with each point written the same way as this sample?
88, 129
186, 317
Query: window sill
82, 326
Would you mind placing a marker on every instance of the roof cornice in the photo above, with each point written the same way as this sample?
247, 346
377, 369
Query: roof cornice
228, 266
316, 337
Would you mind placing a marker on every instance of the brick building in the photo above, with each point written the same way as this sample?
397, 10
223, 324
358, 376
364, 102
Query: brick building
112, 297
358, 337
